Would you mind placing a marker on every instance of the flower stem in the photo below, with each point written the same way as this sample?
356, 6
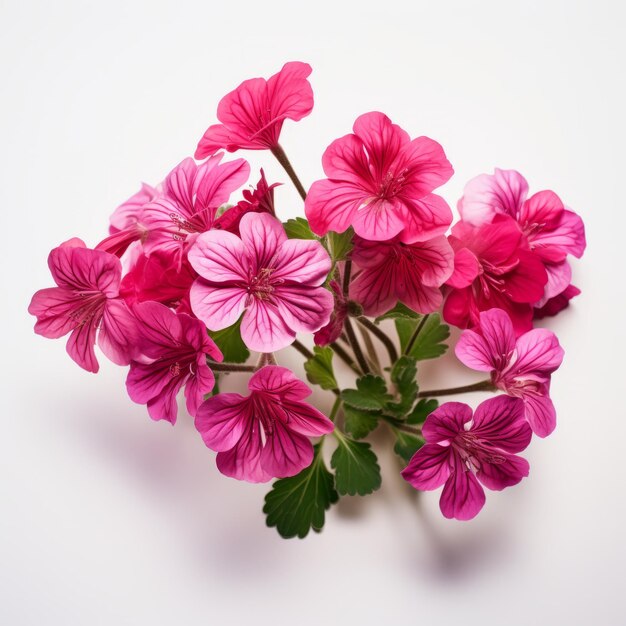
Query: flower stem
371, 351
409, 429
281, 157
356, 348
335, 409
302, 349
346, 358
231, 367
379, 334
483, 385
415, 335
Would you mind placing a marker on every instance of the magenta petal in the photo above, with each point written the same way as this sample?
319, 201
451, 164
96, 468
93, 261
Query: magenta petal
304, 309
217, 307
118, 334
425, 218
285, 453
345, 159
280, 381
263, 328
508, 470
261, 234
243, 461
80, 346
473, 351
537, 351
216, 182
219, 256
462, 497
526, 283
222, 419
53, 308
466, 269
164, 405
332, 205
198, 385
306, 420
540, 413
146, 381
302, 262
429, 468
378, 221
500, 421
445, 422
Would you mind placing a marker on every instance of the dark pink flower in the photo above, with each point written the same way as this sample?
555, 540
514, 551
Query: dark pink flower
557, 303
380, 182
260, 200
275, 280
392, 271
332, 331
85, 303
520, 367
493, 268
252, 115
174, 349
265, 434
551, 230
462, 451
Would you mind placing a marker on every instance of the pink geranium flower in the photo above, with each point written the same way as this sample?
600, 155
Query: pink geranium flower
275, 280
252, 115
462, 451
392, 271
520, 367
332, 331
85, 303
555, 305
174, 349
380, 181
551, 230
260, 200
493, 269
265, 434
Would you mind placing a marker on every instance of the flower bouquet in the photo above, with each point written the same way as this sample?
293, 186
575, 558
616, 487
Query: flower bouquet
188, 284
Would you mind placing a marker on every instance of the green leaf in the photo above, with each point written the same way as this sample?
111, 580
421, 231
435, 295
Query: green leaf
370, 394
359, 423
403, 375
407, 445
429, 342
230, 343
421, 411
340, 244
400, 311
298, 504
319, 369
356, 467
298, 228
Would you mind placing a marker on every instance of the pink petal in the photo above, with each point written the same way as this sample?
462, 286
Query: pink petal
54, 309
164, 406
332, 205
526, 283
559, 277
127, 214
466, 269
80, 346
425, 218
159, 327
462, 497
373, 289
537, 351
216, 183
263, 328
198, 385
508, 471
118, 334
279, 381
488, 195
557, 303
446, 422
302, 261
540, 413
243, 461
304, 309
146, 381
217, 307
179, 184
543, 208
500, 422
346, 160
219, 257
222, 419
285, 453
218, 137
379, 220
425, 166
429, 468
289, 92
304, 419
262, 235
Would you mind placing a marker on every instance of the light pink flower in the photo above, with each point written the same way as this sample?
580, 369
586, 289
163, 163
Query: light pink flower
493, 268
265, 434
462, 451
551, 230
392, 271
380, 181
275, 280
520, 367
252, 115
85, 304
174, 349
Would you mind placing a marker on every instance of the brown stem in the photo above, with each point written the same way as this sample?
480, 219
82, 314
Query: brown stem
346, 358
302, 349
356, 348
281, 157
415, 335
379, 334
230, 367
483, 385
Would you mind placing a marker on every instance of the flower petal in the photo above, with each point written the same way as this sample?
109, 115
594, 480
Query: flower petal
217, 307
219, 256
243, 461
332, 205
279, 381
285, 453
304, 309
198, 385
538, 352
445, 422
462, 497
263, 328
500, 422
222, 419
80, 346
262, 235
302, 261
118, 336
508, 471
540, 413
429, 468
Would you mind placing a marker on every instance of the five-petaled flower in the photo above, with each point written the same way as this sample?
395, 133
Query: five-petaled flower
174, 349
462, 451
86, 303
521, 367
551, 231
380, 181
265, 434
392, 271
252, 115
275, 280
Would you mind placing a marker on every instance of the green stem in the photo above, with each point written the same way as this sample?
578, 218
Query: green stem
380, 335
415, 335
335, 410
281, 157
483, 385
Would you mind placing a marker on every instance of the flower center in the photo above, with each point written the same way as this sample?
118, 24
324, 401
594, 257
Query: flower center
90, 307
392, 184
474, 452
262, 285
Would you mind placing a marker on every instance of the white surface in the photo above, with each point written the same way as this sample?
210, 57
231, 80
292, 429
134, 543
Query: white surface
108, 518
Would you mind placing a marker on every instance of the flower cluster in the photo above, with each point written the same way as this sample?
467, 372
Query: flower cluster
197, 272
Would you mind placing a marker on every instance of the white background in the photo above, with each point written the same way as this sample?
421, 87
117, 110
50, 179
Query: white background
109, 518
